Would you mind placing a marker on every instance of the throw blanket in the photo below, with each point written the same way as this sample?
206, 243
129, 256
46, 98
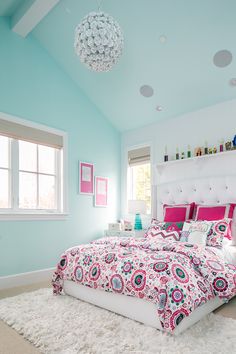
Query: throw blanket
177, 277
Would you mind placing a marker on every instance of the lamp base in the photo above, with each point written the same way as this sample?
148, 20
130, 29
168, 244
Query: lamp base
138, 222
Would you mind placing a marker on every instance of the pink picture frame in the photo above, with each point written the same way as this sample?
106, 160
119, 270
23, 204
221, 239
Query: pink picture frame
86, 178
101, 192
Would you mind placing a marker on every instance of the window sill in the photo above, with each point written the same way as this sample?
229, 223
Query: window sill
31, 216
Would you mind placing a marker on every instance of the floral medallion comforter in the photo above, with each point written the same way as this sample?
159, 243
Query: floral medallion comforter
177, 277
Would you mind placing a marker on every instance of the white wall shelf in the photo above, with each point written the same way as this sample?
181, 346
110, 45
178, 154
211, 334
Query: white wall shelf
161, 165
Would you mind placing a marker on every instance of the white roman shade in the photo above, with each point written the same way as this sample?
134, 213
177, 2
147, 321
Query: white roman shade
138, 156
27, 133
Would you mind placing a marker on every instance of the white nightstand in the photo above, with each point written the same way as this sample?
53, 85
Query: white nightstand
133, 233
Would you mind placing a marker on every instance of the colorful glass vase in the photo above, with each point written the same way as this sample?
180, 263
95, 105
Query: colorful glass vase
138, 222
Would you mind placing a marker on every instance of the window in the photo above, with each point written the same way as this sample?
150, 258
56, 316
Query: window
4, 172
139, 176
32, 175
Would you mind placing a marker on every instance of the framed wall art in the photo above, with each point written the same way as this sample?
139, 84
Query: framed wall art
101, 192
86, 178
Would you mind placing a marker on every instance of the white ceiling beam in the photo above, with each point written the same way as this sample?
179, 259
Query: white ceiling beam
30, 14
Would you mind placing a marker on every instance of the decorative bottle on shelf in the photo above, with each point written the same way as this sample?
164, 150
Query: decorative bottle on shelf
166, 155
189, 151
206, 148
177, 153
234, 143
182, 155
222, 145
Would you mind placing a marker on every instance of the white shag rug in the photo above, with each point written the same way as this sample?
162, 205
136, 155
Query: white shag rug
64, 325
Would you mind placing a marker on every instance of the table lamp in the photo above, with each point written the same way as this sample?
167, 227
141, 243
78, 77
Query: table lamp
137, 207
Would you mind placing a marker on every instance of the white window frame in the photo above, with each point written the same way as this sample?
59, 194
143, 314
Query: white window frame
124, 181
14, 213
130, 180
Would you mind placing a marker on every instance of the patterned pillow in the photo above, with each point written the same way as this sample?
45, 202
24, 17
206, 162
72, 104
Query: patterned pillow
163, 235
215, 212
167, 226
172, 226
218, 231
196, 232
154, 227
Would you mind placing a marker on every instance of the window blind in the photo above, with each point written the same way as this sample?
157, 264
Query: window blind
33, 135
138, 156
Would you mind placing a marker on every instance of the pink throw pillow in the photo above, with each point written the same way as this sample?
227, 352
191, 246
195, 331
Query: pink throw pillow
231, 210
178, 212
212, 212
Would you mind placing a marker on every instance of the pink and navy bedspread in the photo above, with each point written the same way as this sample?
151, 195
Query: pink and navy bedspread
177, 277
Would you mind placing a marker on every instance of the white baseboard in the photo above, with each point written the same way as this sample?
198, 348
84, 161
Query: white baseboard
37, 276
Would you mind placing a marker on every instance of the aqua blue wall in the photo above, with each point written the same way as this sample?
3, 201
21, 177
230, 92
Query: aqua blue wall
33, 87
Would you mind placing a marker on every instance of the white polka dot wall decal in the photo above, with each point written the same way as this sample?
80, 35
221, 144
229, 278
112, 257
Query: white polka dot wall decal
222, 58
162, 38
159, 108
146, 91
232, 82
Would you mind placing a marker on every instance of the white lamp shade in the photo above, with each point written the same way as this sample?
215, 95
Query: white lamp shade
137, 206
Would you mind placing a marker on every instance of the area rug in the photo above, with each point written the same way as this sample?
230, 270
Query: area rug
64, 325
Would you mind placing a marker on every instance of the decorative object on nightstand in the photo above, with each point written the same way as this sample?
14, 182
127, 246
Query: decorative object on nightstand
128, 226
137, 207
114, 226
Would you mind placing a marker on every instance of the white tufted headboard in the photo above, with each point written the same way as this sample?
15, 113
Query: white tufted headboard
209, 190
209, 180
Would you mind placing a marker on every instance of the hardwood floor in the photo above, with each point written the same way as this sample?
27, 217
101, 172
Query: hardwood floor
13, 343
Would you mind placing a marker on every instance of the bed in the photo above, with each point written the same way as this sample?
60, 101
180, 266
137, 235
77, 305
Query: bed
208, 190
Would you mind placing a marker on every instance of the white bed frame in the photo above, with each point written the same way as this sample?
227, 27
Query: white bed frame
179, 189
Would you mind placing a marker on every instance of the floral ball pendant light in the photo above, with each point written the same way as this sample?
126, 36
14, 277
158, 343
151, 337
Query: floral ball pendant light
98, 41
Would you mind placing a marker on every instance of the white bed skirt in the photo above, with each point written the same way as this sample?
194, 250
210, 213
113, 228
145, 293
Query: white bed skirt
137, 309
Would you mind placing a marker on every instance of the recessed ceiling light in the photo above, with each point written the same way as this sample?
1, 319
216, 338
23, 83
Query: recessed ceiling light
232, 82
159, 108
162, 38
146, 91
222, 58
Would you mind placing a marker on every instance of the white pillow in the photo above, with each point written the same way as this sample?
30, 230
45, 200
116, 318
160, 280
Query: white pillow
195, 232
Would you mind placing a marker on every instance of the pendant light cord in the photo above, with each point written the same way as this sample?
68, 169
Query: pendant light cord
99, 3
